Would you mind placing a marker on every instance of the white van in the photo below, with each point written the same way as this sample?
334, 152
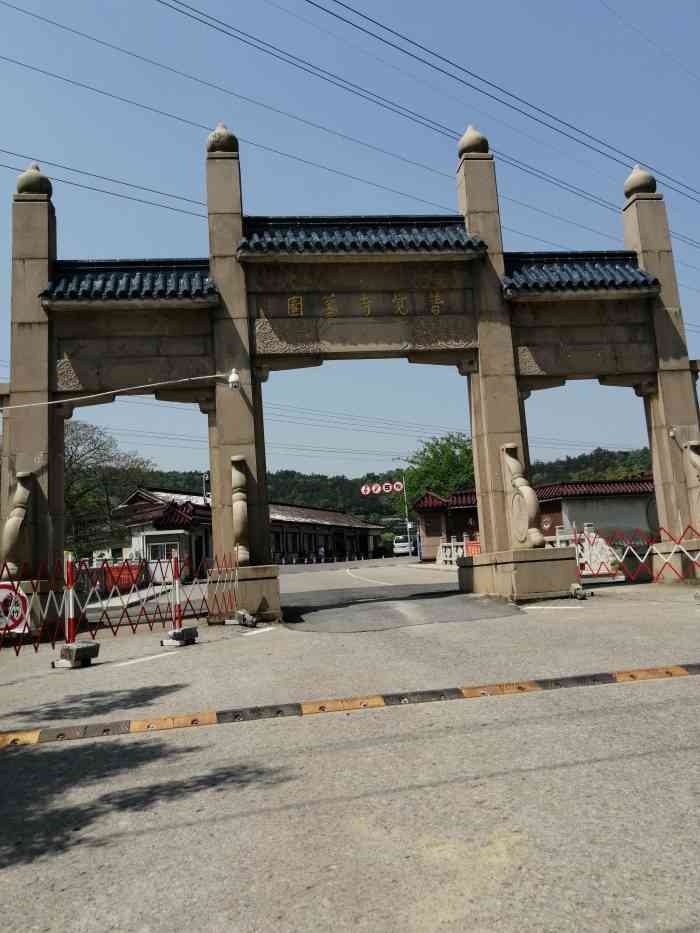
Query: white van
403, 546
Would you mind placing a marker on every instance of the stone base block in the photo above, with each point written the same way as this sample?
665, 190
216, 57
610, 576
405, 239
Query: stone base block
257, 591
519, 575
677, 563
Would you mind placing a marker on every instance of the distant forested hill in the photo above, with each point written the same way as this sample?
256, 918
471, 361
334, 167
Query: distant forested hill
331, 492
343, 493
599, 464
294, 488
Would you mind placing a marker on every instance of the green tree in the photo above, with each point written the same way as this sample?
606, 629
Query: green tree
98, 475
442, 465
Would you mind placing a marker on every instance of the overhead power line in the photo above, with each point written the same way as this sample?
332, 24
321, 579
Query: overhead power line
652, 42
345, 421
498, 87
531, 170
566, 186
112, 194
115, 181
261, 45
438, 89
355, 140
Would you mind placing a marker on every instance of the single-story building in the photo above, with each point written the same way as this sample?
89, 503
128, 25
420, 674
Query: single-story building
299, 533
163, 524
613, 507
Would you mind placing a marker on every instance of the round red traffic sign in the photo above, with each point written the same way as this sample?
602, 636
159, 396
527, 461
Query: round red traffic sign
14, 609
398, 486
366, 489
376, 488
388, 487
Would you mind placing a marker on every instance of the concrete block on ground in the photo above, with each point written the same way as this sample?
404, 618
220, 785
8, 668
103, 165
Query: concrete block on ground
181, 637
77, 654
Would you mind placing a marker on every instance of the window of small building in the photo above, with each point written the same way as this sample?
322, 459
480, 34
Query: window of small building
163, 550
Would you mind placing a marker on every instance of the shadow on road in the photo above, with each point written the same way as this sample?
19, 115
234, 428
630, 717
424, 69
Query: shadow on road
442, 603
34, 822
93, 703
296, 604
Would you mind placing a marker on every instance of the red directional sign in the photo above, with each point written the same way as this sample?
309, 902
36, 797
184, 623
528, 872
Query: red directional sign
14, 609
378, 488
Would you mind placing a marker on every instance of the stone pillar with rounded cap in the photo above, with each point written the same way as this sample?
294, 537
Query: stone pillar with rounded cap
236, 430
33, 435
238, 425
671, 410
512, 562
495, 408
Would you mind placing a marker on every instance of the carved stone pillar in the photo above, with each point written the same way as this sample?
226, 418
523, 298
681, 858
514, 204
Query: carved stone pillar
239, 508
18, 548
524, 507
33, 435
236, 419
494, 399
671, 408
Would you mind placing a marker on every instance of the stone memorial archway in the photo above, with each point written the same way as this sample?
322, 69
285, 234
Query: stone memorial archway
279, 293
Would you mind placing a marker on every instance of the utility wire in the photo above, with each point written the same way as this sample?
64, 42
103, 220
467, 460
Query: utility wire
197, 79
441, 91
652, 42
112, 194
311, 449
487, 82
202, 126
138, 104
344, 421
233, 32
508, 160
115, 181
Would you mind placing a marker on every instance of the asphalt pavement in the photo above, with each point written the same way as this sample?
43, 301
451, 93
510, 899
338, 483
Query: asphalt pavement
570, 810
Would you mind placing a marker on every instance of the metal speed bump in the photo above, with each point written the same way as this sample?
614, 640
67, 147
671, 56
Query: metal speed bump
340, 704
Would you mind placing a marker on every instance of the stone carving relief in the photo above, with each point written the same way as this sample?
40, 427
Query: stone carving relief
691, 455
444, 333
239, 503
283, 338
12, 528
524, 505
66, 377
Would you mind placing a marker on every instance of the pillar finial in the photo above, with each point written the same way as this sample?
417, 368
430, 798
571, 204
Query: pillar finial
222, 139
639, 181
472, 141
33, 181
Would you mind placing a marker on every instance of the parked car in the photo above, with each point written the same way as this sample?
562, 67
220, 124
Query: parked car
403, 546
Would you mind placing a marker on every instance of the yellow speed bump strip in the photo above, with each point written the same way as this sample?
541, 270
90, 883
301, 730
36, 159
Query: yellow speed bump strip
337, 705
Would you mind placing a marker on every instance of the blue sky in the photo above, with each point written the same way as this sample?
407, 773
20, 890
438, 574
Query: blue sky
582, 64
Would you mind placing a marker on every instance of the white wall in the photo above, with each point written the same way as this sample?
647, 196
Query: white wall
611, 514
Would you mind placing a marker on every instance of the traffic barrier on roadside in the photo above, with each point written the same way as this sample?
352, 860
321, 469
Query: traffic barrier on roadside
637, 556
57, 604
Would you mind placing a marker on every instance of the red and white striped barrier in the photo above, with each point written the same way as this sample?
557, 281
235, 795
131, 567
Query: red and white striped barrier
79, 598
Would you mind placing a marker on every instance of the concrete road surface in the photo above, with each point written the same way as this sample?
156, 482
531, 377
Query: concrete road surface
571, 810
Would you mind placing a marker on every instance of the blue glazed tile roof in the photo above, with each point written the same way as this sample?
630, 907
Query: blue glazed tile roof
526, 273
122, 280
318, 235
